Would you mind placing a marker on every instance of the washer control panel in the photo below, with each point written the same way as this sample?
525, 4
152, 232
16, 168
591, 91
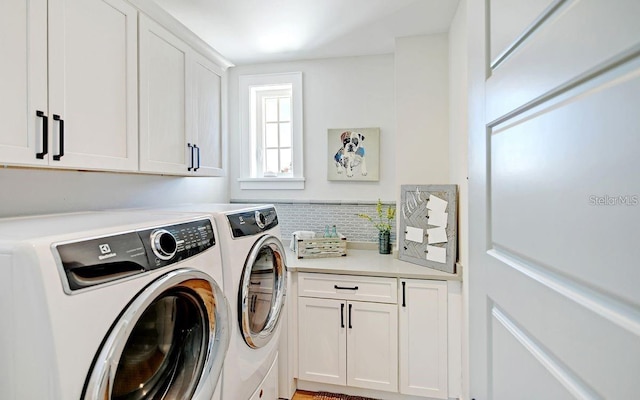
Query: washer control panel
170, 244
96, 261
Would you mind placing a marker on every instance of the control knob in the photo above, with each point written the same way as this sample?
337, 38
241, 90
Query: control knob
261, 221
163, 244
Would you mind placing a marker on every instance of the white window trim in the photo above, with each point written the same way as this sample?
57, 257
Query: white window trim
247, 139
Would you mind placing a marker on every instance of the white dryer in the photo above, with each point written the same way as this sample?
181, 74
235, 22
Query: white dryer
112, 305
254, 264
255, 273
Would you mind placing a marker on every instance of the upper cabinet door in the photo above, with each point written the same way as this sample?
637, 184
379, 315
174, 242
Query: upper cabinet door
164, 95
92, 83
207, 114
23, 81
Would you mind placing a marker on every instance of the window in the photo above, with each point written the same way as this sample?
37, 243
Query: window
271, 131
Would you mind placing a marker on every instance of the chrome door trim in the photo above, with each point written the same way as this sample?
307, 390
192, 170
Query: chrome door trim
257, 340
100, 381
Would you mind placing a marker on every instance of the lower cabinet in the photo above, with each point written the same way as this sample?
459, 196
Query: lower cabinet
376, 333
348, 342
423, 338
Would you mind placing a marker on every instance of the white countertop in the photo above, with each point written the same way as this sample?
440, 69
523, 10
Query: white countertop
370, 263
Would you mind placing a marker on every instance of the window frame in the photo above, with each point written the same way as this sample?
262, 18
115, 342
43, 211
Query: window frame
251, 176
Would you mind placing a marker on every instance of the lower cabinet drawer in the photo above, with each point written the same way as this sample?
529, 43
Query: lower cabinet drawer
348, 287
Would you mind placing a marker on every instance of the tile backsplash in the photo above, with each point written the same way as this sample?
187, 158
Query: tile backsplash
314, 216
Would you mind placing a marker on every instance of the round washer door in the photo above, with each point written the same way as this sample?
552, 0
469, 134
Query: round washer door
261, 293
169, 343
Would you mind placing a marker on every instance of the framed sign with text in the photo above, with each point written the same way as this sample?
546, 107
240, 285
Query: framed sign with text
428, 233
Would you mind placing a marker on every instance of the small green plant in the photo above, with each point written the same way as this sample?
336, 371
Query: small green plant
385, 218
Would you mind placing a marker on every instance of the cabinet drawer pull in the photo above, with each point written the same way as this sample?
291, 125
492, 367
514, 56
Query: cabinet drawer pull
58, 156
404, 301
345, 288
191, 156
198, 155
350, 327
45, 134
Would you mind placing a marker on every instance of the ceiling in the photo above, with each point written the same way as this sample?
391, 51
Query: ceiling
259, 31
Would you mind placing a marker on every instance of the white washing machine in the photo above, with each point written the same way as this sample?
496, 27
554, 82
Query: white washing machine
254, 266
111, 305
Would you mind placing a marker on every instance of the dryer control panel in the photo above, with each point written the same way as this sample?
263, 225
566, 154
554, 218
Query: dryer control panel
252, 222
96, 261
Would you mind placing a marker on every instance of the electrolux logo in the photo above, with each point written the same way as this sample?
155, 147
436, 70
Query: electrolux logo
105, 249
616, 200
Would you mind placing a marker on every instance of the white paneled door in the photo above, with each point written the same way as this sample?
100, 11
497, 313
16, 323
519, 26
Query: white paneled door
554, 184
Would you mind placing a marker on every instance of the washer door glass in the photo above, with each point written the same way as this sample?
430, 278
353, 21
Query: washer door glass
170, 340
262, 291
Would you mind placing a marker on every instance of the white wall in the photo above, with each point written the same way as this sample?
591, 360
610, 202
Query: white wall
458, 155
458, 146
26, 191
348, 92
422, 110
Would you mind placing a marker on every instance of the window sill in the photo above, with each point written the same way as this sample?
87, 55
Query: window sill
271, 183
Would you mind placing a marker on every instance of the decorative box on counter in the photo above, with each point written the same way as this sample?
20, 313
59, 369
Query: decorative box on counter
321, 247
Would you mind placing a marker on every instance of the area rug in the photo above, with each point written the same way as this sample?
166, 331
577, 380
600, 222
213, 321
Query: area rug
334, 396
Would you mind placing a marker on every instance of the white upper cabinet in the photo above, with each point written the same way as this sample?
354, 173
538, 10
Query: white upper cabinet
69, 79
89, 119
164, 94
180, 106
23, 81
92, 83
207, 114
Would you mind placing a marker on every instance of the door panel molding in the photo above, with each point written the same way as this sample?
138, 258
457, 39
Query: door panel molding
567, 378
545, 172
525, 34
579, 82
554, 55
607, 307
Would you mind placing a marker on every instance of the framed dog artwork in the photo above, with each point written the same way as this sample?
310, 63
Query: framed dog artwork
354, 154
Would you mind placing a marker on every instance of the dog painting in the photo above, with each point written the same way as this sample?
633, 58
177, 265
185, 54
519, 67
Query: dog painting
352, 150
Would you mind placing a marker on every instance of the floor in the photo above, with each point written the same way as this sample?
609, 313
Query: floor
302, 395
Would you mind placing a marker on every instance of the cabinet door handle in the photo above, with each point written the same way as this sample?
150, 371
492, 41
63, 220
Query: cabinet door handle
58, 156
404, 300
198, 153
345, 288
191, 158
342, 315
45, 134
350, 316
